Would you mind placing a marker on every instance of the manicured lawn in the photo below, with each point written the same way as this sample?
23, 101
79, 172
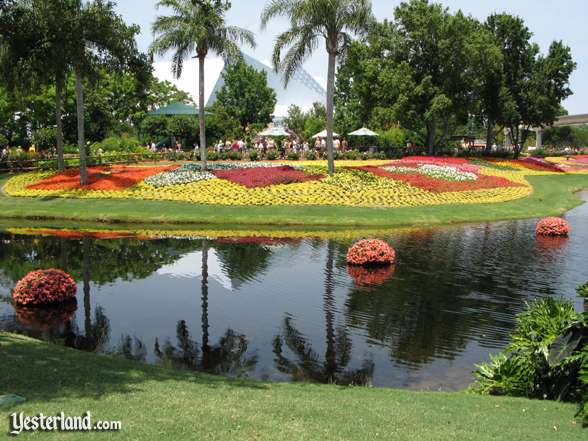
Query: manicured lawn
156, 403
552, 195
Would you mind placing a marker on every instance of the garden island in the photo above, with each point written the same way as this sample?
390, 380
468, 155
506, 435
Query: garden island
196, 244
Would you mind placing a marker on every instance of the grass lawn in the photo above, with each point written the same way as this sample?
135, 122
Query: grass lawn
157, 403
552, 195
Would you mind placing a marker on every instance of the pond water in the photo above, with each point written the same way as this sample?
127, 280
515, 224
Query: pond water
289, 309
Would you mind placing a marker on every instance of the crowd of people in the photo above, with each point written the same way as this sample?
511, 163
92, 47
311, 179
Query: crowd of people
264, 145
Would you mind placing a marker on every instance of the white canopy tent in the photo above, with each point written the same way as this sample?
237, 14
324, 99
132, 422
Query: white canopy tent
363, 132
323, 134
274, 131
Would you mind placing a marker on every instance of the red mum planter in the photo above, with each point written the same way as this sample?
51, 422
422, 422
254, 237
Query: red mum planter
553, 227
371, 252
44, 287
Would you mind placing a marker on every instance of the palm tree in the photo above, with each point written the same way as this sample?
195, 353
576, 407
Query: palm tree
311, 20
197, 27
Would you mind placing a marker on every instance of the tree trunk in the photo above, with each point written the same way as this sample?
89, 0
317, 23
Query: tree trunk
330, 110
86, 280
489, 136
201, 111
59, 122
431, 138
81, 135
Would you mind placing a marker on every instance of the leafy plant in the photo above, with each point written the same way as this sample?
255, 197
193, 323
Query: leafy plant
544, 359
583, 290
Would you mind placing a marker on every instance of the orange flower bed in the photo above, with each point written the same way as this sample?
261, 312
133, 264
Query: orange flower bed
115, 178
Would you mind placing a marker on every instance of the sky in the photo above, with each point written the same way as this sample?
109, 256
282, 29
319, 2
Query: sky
548, 20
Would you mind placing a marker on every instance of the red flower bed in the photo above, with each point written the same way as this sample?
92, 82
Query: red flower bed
43, 287
99, 178
367, 277
553, 226
265, 176
46, 319
371, 252
540, 164
428, 183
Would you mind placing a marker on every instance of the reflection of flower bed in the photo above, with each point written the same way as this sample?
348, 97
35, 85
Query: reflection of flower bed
77, 234
99, 178
549, 244
428, 183
266, 176
370, 276
370, 252
553, 226
258, 240
44, 287
47, 318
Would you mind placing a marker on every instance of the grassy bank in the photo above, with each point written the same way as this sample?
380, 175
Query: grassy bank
156, 403
552, 195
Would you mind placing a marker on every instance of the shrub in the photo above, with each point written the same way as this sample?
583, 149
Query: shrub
234, 156
553, 226
122, 144
253, 155
292, 156
45, 138
371, 252
583, 290
272, 155
212, 156
545, 357
44, 287
311, 156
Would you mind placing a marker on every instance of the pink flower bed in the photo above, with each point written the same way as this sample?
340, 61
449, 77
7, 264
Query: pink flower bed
553, 227
44, 287
371, 252
265, 176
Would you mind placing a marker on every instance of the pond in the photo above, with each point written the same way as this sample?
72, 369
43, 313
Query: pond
289, 309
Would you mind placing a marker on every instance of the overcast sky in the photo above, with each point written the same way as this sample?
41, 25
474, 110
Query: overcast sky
548, 20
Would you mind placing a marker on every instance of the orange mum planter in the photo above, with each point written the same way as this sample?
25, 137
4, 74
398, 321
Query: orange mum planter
371, 252
553, 227
44, 287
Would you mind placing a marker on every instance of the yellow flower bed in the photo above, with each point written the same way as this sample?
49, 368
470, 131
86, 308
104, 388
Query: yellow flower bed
345, 188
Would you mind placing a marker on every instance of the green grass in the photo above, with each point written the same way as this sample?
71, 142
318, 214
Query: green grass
552, 195
155, 403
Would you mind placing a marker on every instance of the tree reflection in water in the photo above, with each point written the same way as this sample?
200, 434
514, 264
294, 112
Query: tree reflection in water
308, 366
228, 357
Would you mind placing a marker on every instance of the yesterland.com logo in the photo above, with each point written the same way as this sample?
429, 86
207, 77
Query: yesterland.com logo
19, 422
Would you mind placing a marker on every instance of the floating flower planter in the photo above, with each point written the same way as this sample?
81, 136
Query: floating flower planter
44, 287
553, 227
371, 252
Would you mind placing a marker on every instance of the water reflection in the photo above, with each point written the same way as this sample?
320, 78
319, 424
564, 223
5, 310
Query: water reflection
307, 366
291, 309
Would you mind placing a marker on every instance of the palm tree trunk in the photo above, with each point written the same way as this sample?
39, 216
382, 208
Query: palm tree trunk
201, 111
329, 309
86, 280
59, 122
81, 135
330, 110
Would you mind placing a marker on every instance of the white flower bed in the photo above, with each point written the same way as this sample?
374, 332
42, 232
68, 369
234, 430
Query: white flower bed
444, 172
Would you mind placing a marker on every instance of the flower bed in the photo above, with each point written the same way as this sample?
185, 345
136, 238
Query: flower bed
266, 176
444, 172
43, 287
99, 178
370, 252
540, 164
435, 185
553, 227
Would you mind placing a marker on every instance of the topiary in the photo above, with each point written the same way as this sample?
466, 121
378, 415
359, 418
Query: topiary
371, 252
44, 287
553, 227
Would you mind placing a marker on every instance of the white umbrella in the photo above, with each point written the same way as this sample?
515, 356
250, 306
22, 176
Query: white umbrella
274, 131
363, 132
323, 134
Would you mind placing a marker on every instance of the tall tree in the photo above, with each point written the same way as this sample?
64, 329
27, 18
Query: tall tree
311, 21
197, 27
246, 95
100, 37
